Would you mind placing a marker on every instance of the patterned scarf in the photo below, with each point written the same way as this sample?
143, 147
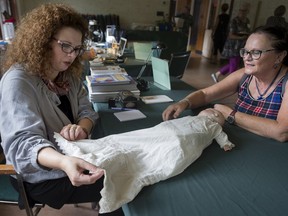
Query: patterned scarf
60, 86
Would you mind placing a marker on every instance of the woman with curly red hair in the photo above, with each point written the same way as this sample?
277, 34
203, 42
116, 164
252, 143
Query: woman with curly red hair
41, 93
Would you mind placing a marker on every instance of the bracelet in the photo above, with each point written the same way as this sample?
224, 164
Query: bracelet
188, 101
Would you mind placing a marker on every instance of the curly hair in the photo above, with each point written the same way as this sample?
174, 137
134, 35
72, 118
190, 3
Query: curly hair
31, 44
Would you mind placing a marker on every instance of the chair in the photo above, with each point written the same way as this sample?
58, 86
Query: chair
8, 195
178, 63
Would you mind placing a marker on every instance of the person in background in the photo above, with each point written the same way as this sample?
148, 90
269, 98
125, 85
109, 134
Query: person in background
41, 92
220, 31
278, 19
262, 103
238, 33
188, 19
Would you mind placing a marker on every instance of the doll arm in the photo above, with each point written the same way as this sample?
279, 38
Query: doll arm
222, 140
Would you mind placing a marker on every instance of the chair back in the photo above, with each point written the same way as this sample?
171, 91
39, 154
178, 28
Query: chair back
178, 63
8, 195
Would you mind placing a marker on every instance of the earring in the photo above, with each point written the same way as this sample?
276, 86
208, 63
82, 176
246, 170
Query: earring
275, 66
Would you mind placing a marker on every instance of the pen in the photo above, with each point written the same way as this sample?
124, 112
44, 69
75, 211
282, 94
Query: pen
88, 172
120, 108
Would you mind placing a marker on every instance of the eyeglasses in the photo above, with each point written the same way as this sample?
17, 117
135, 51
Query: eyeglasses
67, 48
255, 54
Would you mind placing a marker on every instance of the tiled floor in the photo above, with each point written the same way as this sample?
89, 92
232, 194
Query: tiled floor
198, 74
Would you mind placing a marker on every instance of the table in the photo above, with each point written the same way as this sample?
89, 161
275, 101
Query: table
249, 180
109, 124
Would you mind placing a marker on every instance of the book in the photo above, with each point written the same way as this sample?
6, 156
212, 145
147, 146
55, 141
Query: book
130, 86
104, 96
129, 115
156, 99
108, 79
106, 70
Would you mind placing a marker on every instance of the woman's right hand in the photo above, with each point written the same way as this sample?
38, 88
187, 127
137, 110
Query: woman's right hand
76, 169
174, 110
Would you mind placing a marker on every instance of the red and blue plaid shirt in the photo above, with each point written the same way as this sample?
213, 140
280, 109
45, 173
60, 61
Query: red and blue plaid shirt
267, 107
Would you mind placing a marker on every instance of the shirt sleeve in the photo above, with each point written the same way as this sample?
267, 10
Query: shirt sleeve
22, 128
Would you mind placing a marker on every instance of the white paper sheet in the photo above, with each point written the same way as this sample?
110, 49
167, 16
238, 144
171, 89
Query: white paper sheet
129, 115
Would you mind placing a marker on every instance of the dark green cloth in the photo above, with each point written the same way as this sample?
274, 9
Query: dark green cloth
249, 180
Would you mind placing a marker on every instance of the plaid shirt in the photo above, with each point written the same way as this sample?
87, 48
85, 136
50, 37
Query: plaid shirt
267, 107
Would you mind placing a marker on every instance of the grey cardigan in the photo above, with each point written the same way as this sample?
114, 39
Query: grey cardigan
29, 116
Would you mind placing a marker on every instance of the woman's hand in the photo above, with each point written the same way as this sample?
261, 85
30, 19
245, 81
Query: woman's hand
225, 110
174, 110
76, 168
73, 132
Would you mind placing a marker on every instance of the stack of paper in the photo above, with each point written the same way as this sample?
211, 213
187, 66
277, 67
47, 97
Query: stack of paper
129, 115
106, 70
106, 82
108, 79
156, 99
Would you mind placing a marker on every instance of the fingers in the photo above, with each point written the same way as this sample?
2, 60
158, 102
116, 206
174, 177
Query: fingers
73, 132
173, 111
166, 115
228, 147
87, 178
91, 176
81, 172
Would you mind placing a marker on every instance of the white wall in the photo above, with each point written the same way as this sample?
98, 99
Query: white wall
144, 11
137, 11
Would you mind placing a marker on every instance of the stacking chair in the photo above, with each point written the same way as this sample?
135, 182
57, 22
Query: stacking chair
178, 63
8, 195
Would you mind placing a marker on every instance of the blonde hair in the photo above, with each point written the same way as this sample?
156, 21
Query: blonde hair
31, 46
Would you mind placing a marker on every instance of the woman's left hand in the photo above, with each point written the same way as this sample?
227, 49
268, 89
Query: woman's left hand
225, 110
73, 132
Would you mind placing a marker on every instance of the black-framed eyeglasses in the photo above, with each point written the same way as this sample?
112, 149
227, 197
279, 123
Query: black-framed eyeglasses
67, 48
255, 54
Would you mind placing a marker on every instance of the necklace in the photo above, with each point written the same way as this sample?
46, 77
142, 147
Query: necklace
260, 97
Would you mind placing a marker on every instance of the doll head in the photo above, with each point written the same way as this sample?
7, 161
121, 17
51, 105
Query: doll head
214, 114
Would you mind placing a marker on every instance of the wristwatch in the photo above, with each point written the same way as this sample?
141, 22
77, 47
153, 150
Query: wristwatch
231, 118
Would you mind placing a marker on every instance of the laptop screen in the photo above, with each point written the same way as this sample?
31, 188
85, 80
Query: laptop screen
122, 45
